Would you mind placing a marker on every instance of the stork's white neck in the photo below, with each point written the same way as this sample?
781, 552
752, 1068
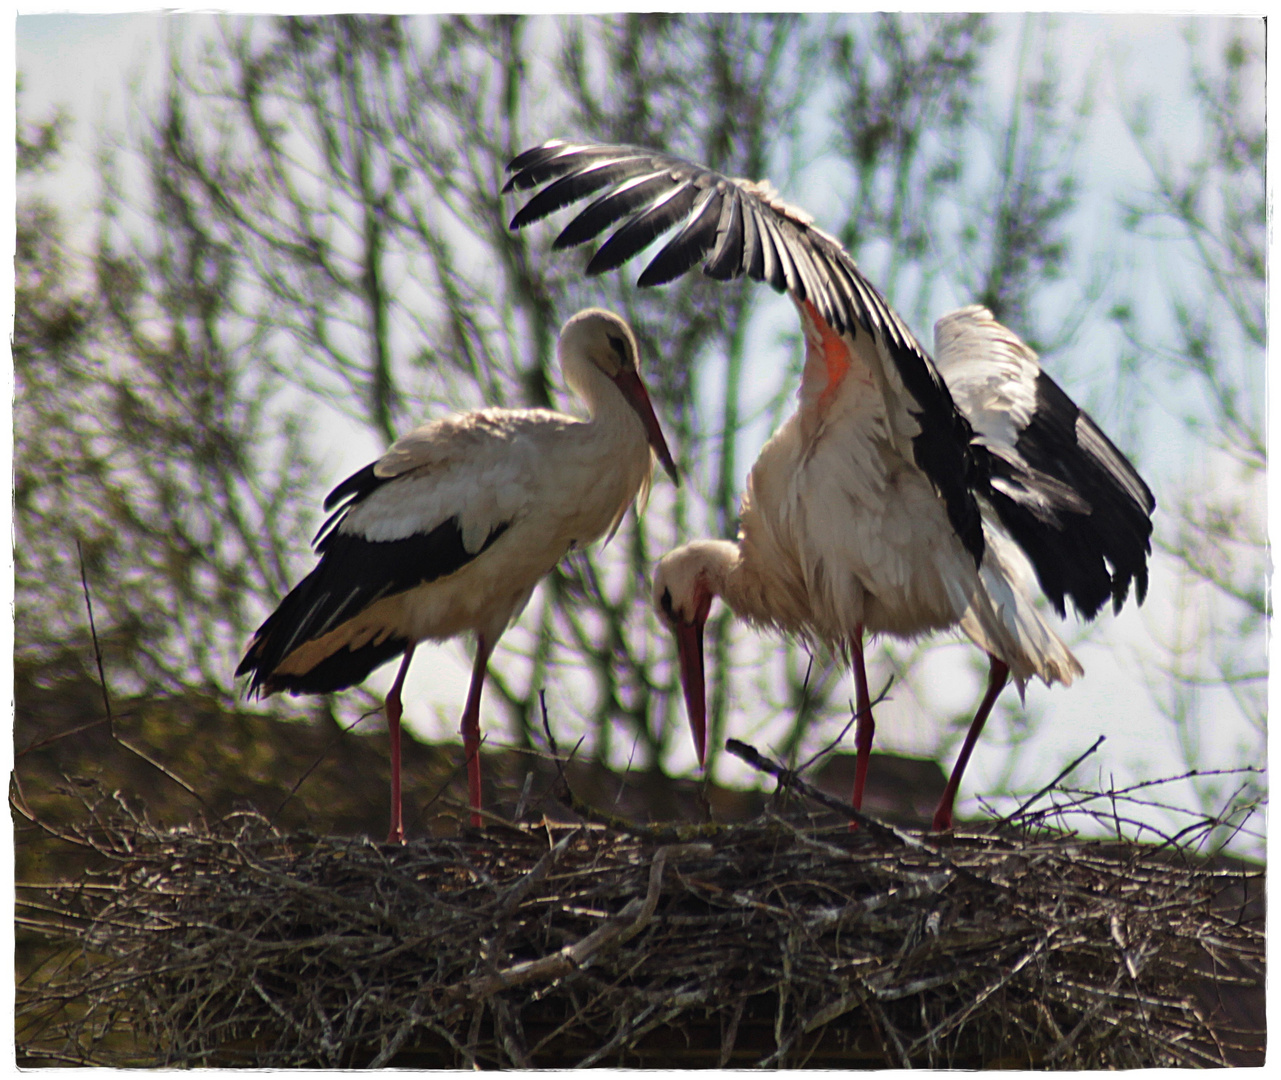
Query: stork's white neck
596, 390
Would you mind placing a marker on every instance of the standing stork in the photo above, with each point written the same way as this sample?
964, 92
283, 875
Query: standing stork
451, 529
901, 497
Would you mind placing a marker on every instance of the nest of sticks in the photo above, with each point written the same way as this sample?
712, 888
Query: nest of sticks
541, 944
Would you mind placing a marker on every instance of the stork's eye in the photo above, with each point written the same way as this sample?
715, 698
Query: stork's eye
665, 602
620, 347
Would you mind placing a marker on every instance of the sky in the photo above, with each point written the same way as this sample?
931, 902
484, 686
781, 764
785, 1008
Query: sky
88, 63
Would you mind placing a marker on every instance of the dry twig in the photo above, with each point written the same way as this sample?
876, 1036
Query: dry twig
559, 946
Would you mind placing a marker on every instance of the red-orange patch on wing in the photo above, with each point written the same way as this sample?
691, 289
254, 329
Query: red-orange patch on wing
836, 355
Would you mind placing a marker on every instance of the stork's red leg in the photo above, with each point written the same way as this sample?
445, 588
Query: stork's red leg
998, 672
394, 710
471, 726
864, 727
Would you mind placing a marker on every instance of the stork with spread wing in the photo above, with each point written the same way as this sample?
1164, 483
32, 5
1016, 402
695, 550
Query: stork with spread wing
903, 496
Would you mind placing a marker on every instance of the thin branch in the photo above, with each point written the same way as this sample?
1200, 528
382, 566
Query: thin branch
1050, 786
106, 698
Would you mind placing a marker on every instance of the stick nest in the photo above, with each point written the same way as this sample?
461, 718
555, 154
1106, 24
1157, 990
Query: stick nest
769, 943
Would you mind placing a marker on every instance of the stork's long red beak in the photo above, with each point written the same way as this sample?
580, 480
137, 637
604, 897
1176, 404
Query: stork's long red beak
629, 382
689, 647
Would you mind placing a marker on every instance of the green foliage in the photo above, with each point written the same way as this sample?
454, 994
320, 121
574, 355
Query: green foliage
38, 144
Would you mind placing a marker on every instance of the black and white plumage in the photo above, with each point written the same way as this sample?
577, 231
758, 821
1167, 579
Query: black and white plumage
1065, 492
453, 527
903, 496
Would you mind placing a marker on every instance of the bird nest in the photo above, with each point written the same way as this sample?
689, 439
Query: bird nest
771, 943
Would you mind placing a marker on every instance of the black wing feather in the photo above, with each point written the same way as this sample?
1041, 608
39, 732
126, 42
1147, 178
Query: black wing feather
726, 260
812, 280
613, 206
353, 574
851, 283
771, 271
643, 229
753, 249
351, 491
355, 487
690, 244
569, 189
556, 158
1089, 555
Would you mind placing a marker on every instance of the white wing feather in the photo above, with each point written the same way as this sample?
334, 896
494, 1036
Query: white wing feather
990, 372
1004, 621
484, 468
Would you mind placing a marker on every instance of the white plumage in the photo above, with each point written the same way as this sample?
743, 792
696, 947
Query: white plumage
901, 497
453, 527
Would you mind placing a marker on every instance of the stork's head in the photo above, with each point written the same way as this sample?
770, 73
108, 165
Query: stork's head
685, 582
602, 341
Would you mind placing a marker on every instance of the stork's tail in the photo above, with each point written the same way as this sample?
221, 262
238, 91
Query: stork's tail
1003, 620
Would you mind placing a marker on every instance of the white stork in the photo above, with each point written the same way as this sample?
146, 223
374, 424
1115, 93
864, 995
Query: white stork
897, 499
451, 529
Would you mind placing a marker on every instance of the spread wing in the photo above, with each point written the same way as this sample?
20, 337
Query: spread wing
736, 227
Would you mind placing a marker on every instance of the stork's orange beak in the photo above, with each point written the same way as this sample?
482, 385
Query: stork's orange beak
629, 383
689, 648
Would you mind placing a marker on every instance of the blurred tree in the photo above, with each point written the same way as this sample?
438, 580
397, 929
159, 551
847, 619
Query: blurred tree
320, 245
371, 260
1212, 343
907, 102
141, 439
